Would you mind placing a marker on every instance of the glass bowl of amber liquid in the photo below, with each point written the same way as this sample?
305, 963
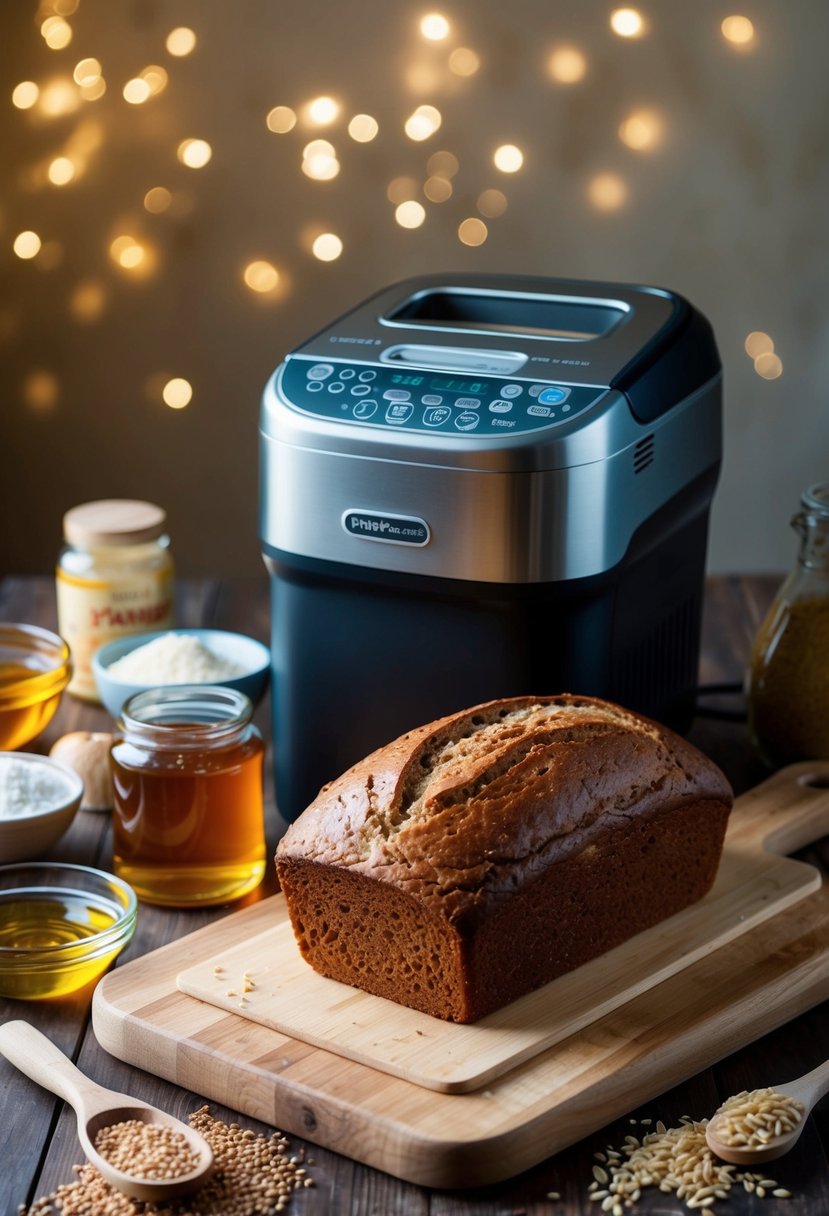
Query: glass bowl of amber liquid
60, 927
35, 668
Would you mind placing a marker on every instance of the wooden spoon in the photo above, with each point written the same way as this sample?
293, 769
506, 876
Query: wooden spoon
808, 1090
96, 1107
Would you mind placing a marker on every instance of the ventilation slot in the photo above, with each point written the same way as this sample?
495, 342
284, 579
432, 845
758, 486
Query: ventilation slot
643, 454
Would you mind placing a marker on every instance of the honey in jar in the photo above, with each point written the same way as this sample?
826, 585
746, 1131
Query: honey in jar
788, 684
188, 818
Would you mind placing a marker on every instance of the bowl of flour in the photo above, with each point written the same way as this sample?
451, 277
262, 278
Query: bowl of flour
180, 656
38, 801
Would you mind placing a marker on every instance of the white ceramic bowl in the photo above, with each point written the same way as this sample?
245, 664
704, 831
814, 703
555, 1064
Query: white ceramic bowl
252, 656
30, 835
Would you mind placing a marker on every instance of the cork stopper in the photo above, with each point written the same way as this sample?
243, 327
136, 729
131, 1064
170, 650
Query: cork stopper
113, 521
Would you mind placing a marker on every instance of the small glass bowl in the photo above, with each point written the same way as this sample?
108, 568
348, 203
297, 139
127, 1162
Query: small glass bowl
35, 667
60, 927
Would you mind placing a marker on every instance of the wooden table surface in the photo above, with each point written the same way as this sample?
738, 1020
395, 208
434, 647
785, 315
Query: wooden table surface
39, 1144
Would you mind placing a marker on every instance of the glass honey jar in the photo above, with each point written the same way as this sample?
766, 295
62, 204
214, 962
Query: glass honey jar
788, 682
188, 823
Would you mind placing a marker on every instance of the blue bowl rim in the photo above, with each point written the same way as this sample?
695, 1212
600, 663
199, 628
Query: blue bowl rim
119, 647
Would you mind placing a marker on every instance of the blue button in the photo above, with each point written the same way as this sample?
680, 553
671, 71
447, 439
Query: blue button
320, 371
315, 386
336, 387
552, 396
437, 415
348, 373
366, 376
360, 390
364, 409
398, 413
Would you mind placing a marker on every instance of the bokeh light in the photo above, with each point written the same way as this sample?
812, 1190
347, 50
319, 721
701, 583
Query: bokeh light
322, 111
155, 78
136, 257
61, 171
401, 188
434, 27
327, 247
508, 158
41, 390
739, 31
56, 32
442, 164
157, 200
363, 128
261, 276
768, 365
27, 244
463, 61
181, 41
758, 343
88, 301
641, 130
627, 22
136, 91
319, 160
437, 189
177, 393
410, 214
492, 203
567, 65
607, 192
58, 97
281, 119
195, 153
87, 71
472, 231
25, 94
423, 122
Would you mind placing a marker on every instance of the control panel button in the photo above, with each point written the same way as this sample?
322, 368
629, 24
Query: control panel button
500, 407
336, 386
535, 389
367, 376
552, 396
437, 415
539, 411
398, 413
315, 386
364, 409
432, 399
511, 390
360, 390
467, 403
397, 394
348, 373
320, 371
467, 421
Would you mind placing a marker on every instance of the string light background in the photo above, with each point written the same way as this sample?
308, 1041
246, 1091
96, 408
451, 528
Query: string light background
192, 187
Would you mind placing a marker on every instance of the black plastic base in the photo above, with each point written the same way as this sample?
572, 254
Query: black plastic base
360, 656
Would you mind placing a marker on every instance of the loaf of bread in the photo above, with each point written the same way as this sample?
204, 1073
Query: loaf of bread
479, 857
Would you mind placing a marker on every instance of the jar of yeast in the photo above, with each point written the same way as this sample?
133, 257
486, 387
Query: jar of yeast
114, 577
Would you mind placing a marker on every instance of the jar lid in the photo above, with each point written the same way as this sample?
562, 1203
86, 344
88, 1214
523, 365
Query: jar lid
816, 498
113, 521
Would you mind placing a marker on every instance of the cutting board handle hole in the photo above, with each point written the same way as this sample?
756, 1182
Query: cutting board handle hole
815, 781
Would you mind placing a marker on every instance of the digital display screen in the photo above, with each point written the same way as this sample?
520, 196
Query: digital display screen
411, 381
453, 384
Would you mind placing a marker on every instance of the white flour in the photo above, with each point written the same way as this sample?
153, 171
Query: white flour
174, 658
28, 789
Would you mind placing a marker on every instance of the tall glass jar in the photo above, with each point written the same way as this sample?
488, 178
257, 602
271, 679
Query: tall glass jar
114, 577
188, 826
788, 687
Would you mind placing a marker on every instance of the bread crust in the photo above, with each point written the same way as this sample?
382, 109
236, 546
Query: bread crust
567, 814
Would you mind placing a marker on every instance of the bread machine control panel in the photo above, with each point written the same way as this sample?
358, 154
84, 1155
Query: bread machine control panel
429, 401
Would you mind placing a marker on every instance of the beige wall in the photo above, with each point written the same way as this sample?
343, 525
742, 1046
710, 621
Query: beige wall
730, 208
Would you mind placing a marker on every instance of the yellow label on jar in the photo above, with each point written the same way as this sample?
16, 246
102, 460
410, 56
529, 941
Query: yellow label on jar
94, 611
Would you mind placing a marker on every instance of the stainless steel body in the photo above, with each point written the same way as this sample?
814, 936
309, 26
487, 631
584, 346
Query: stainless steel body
488, 441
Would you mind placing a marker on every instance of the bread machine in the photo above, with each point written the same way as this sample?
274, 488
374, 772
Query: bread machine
478, 486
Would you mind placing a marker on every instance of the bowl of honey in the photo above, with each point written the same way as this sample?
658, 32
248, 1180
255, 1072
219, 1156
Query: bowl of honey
60, 927
35, 668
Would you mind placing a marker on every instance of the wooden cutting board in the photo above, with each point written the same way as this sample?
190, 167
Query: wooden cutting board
742, 984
